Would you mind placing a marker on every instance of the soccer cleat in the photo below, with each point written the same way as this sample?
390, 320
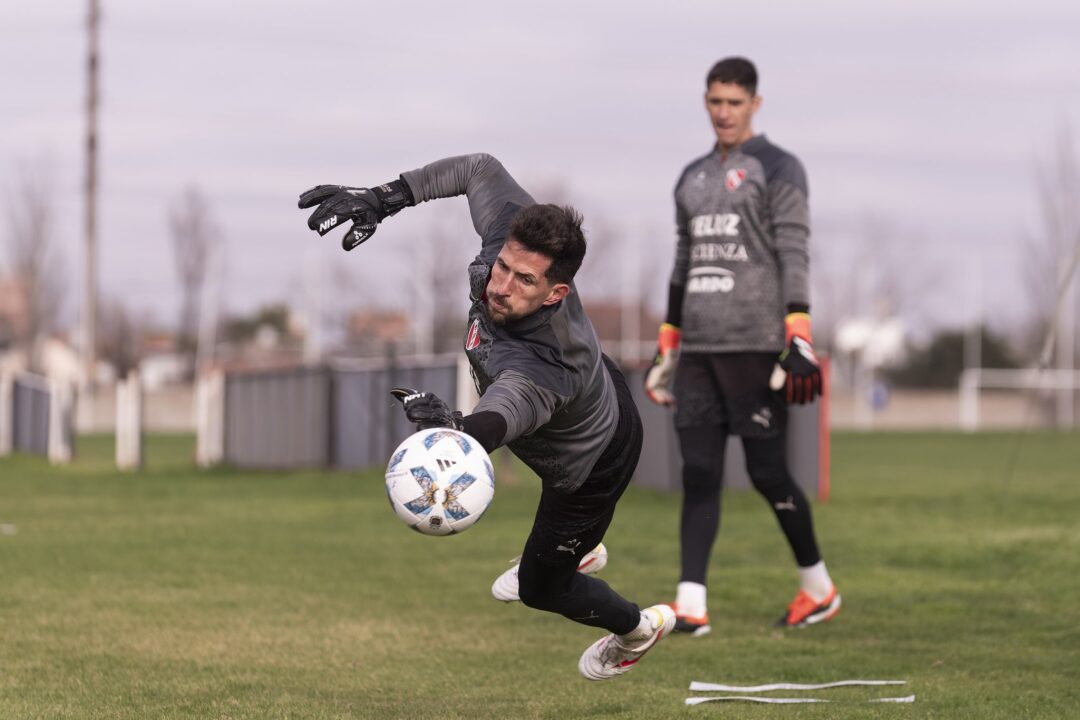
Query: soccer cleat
610, 655
696, 626
505, 587
805, 610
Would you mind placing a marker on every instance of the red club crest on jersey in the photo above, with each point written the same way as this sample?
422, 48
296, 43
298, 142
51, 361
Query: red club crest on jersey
734, 178
472, 338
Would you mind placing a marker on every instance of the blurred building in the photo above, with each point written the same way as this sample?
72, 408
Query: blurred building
371, 332
627, 332
14, 311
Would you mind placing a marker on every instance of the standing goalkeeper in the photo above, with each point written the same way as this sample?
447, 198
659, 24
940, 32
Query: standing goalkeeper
738, 314
546, 390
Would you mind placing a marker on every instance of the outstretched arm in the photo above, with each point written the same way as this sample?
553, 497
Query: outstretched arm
512, 406
488, 186
480, 177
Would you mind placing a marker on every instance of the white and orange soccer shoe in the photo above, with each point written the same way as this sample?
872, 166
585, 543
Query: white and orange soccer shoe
505, 587
805, 610
695, 626
614, 655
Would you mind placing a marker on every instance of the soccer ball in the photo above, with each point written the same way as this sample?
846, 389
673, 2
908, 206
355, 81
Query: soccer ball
440, 481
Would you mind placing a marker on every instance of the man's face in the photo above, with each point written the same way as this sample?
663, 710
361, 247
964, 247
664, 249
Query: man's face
731, 110
518, 287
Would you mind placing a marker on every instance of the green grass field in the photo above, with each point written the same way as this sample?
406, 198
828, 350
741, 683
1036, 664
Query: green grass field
173, 593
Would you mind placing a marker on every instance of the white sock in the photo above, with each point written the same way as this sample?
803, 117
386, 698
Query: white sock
690, 598
815, 581
650, 620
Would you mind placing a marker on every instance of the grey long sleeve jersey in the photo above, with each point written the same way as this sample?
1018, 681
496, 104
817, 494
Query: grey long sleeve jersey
741, 254
543, 374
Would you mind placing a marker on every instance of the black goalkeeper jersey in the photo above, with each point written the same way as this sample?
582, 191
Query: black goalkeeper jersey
543, 373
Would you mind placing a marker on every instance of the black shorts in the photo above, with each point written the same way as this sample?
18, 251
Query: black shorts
730, 389
570, 524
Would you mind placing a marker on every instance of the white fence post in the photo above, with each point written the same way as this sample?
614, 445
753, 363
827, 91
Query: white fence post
61, 422
969, 399
7, 413
129, 412
210, 418
467, 397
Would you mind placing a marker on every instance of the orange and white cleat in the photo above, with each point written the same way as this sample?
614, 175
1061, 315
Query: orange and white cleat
695, 626
611, 655
805, 610
505, 587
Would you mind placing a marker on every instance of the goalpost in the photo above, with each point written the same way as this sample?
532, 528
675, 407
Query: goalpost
972, 380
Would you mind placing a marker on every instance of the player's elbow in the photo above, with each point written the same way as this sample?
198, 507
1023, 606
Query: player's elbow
483, 161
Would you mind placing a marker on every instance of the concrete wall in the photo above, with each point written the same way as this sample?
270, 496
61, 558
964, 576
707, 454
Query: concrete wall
166, 409
938, 410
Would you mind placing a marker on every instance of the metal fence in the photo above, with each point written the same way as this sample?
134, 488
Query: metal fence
367, 422
30, 414
36, 416
343, 416
278, 419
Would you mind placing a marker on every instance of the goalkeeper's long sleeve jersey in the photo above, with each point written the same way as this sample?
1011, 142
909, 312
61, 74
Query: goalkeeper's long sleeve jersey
544, 373
741, 254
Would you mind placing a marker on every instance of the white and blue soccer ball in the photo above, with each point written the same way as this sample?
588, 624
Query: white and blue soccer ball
440, 481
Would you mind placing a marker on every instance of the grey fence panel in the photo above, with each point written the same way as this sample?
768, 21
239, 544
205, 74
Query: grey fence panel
367, 422
278, 419
30, 415
660, 466
345, 417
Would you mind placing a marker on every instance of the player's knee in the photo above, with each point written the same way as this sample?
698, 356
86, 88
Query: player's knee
538, 589
777, 486
768, 473
701, 472
770, 482
702, 450
536, 598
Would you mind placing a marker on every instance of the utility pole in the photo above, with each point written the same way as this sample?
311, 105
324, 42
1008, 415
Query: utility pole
90, 188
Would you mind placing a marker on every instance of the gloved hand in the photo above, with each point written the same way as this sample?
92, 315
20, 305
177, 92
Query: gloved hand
427, 410
659, 379
797, 362
365, 207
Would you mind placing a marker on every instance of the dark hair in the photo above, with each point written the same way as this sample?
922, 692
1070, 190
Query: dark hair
736, 70
554, 232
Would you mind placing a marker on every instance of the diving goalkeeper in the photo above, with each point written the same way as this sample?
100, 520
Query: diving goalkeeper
546, 390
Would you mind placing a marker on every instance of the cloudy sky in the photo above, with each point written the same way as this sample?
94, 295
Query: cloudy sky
922, 126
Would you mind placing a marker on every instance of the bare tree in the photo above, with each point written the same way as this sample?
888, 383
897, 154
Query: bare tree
193, 235
33, 263
118, 337
1050, 267
1048, 253
438, 275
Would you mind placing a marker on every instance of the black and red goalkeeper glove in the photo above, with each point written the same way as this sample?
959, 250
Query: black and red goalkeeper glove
798, 362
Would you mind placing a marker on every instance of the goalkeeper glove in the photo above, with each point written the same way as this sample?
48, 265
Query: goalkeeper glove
659, 379
797, 362
427, 410
365, 207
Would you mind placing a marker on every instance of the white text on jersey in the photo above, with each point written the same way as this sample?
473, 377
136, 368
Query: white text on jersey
711, 252
713, 225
